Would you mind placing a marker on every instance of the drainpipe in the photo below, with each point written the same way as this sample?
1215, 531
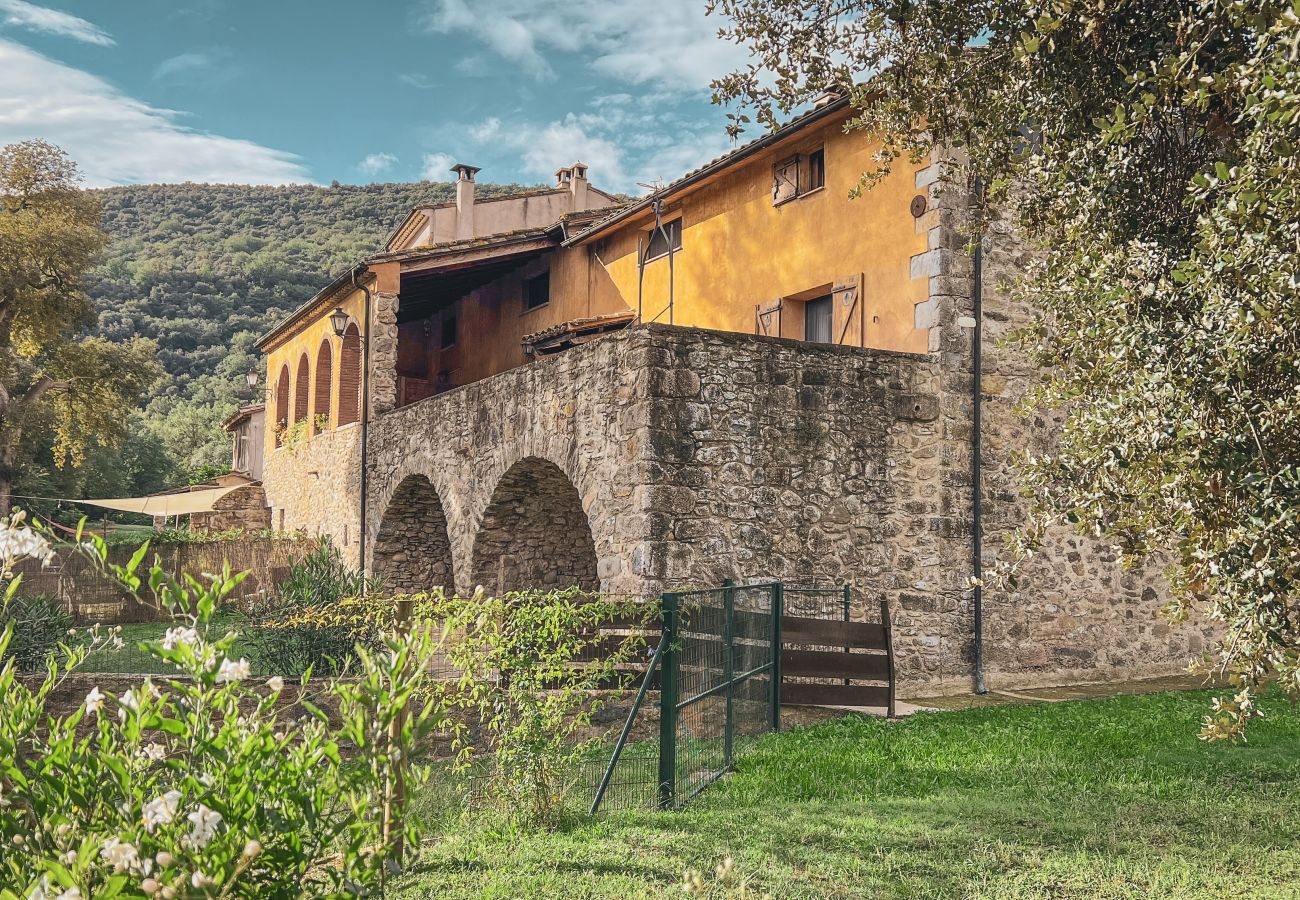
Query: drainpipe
365, 423
977, 492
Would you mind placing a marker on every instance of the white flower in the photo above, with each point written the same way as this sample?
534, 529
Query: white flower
233, 671
275, 683
177, 637
199, 880
120, 855
154, 752
161, 810
94, 700
22, 543
205, 822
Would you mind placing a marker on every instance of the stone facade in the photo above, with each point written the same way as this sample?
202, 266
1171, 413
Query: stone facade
664, 457
243, 508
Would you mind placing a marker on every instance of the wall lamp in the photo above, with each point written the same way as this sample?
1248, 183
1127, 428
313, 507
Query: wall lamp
338, 321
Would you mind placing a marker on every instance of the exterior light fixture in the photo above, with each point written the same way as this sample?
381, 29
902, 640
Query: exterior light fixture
338, 321
251, 377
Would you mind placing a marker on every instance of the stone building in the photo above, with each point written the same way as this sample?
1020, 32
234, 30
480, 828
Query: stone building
744, 375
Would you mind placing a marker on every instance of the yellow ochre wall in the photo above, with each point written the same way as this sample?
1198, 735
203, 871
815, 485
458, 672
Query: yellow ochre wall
308, 340
739, 251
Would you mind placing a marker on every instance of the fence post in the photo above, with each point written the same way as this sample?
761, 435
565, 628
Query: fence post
396, 798
668, 701
846, 615
778, 610
729, 668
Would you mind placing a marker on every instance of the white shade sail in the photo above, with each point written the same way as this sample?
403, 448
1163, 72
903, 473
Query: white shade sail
179, 504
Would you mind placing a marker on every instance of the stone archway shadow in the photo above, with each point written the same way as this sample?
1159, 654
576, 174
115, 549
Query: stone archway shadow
412, 550
534, 533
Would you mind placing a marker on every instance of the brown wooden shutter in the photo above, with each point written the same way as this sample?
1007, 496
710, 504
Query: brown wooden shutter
350, 377
324, 382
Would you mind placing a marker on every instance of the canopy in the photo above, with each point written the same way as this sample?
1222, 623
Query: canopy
178, 504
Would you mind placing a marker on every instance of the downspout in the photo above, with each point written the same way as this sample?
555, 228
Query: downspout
365, 424
977, 491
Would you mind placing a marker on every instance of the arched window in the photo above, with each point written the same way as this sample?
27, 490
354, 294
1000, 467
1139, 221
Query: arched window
301, 383
281, 420
350, 376
324, 381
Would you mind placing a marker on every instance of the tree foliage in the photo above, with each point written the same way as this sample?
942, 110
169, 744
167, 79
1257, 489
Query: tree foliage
51, 372
1149, 148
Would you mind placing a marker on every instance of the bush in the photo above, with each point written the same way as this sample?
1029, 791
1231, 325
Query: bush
314, 621
40, 625
532, 666
207, 786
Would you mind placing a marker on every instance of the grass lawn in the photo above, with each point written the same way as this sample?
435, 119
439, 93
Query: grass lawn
1096, 798
131, 660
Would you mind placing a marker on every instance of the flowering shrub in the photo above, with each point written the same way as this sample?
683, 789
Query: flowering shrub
206, 785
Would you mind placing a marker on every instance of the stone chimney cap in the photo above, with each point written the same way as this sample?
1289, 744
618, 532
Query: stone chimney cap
465, 171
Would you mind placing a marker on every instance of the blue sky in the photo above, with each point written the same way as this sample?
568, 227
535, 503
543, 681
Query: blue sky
275, 91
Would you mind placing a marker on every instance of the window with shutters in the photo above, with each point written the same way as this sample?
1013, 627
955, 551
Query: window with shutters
350, 376
818, 319
281, 420
797, 175
324, 382
300, 386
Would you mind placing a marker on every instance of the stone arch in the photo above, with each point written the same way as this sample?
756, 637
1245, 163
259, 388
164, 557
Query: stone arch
350, 376
281, 420
412, 550
534, 533
301, 383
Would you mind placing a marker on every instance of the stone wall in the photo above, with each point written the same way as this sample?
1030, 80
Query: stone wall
314, 487
666, 457
243, 508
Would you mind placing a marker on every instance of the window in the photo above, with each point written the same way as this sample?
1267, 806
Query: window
817, 318
785, 180
537, 291
300, 390
324, 382
350, 376
798, 175
816, 170
669, 234
448, 332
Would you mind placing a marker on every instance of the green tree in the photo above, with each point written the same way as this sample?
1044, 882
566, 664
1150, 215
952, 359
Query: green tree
49, 237
1149, 149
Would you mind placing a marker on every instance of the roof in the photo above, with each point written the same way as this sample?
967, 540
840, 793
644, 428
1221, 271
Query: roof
740, 154
446, 248
241, 414
576, 331
416, 211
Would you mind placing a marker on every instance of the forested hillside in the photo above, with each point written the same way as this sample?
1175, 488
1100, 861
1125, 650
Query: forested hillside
203, 270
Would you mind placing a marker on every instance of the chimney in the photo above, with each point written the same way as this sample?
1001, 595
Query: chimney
464, 200
578, 185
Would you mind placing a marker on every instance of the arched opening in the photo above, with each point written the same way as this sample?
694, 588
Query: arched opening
324, 380
300, 384
281, 420
412, 551
350, 376
535, 533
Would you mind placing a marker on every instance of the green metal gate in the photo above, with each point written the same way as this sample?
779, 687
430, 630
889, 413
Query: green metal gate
718, 665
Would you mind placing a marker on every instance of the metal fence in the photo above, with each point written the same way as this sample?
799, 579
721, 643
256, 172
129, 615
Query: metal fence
90, 596
718, 669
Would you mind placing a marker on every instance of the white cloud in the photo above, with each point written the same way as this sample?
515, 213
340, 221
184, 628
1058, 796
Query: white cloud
625, 145
437, 166
183, 66
669, 42
416, 80
21, 14
117, 139
375, 163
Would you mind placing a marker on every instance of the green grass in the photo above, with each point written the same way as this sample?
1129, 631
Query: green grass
1110, 798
